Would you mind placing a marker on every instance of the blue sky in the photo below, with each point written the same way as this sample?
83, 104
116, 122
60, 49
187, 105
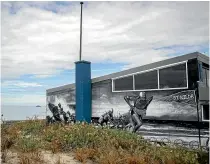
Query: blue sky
40, 40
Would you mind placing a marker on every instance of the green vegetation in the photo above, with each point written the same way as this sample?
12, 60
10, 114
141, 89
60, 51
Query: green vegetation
103, 146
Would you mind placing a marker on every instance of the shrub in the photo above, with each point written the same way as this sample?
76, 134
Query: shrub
30, 158
28, 144
102, 145
82, 154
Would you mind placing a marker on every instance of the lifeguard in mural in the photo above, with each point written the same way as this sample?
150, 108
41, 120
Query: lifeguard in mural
106, 117
138, 109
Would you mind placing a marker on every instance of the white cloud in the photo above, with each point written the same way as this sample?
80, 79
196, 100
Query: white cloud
40, 42
19, 84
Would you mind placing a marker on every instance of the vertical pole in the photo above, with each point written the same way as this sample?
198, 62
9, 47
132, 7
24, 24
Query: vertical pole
80, 52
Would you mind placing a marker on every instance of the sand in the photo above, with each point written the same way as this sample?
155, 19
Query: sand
48, 157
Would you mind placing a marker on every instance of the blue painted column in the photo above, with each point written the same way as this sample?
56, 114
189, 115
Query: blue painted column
83, 91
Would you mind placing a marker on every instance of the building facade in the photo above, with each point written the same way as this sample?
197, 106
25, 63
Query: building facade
179, 88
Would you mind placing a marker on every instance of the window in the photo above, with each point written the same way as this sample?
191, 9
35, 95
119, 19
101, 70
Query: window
173, 77
168, 77
205, 76
148, 80
205, 112
123, 84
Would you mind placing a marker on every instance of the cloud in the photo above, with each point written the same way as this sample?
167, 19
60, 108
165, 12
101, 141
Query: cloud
42, 38
19, 84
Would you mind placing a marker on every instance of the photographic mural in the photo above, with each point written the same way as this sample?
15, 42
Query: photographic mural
170, 114
61, 106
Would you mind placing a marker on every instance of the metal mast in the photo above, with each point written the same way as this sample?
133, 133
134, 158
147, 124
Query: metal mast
80, 51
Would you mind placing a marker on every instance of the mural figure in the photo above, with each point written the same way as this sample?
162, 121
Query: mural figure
57, 111
106, 117
138, 109
122, 121
49, 120
71, 117
62, 112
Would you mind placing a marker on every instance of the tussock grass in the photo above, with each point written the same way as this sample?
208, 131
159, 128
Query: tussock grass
30, 158
83, 154
103, 146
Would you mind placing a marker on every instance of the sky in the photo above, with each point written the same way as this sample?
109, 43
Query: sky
40, 41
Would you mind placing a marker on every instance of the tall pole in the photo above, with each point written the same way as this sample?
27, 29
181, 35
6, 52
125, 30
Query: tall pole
80, 51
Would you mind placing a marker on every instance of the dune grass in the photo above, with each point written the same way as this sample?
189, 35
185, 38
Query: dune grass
103, 146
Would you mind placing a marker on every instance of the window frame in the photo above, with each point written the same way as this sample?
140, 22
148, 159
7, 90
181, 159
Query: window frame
203, 114
158, 76
122, 78
146, 72
186, 73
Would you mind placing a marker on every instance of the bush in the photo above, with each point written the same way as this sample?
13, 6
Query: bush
102, 145
30, 158
83, 154
28, 144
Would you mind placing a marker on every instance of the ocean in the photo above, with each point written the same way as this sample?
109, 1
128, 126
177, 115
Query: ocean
16, 112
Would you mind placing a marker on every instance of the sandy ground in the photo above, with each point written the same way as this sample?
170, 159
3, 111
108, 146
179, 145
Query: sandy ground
48, 157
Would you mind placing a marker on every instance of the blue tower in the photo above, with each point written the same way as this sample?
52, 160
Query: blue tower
83, 91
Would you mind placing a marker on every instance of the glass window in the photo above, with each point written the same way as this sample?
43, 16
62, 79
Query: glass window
173, 77
205, 112
125, 83
147, 80
207, 77
204, 75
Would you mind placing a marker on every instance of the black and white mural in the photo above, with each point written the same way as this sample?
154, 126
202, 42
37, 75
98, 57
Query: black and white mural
165, 105
61, 106
161, 114
167, 108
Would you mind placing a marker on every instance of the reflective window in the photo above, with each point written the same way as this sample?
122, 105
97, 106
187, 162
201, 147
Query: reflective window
205, 76
173, 77
169, 77
147, 80
205, 112
125, 83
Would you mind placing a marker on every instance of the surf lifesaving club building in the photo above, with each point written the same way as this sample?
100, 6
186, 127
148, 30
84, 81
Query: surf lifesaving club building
176, 84
179, 87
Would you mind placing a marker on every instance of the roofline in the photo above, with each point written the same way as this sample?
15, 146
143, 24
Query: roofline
198, 55
203, 58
